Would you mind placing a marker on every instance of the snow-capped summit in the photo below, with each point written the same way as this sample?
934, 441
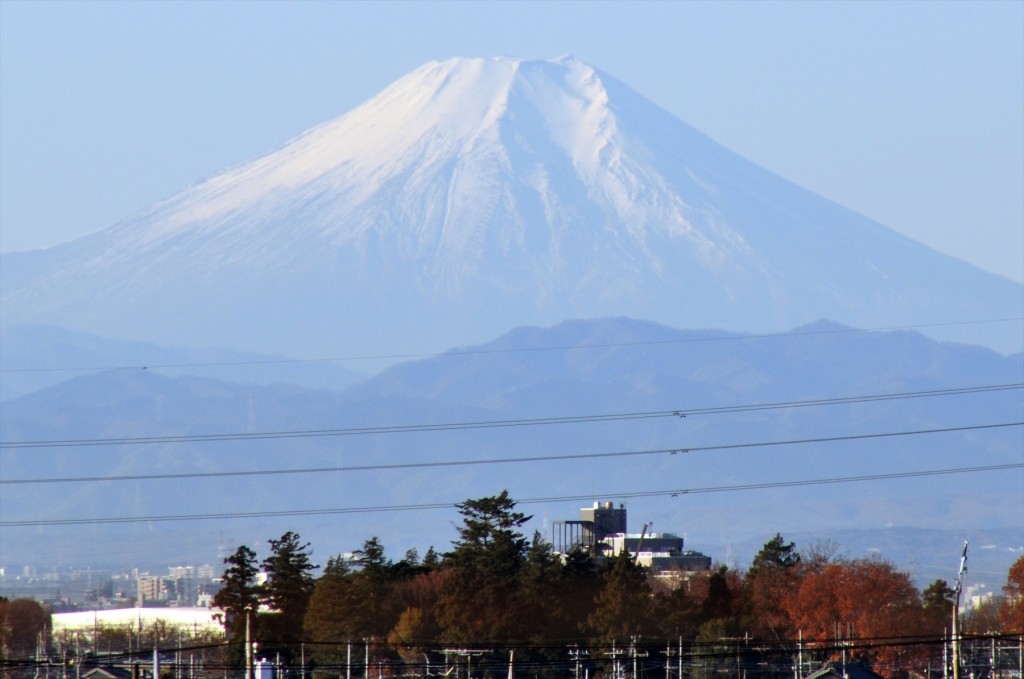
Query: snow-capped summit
473, 195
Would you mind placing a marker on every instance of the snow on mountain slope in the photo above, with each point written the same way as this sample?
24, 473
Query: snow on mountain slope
473, 195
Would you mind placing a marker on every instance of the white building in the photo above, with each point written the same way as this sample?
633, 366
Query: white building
601, 530
190, 619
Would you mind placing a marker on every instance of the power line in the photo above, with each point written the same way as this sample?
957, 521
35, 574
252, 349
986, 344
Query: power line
676, 492
476, 352
495, 659
503, 460
487, 424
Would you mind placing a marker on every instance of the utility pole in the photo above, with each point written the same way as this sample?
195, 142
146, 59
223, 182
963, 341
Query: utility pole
615, 653
945, 656
799, 653
668, 660
468, 653
39, 644
633, 652
956, 613
575, 653
248, 644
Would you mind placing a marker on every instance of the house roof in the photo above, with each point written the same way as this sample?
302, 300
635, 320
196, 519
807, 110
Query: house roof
855, 669
107, 673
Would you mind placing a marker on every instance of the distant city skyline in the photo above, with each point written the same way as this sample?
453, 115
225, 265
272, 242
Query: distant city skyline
909, 113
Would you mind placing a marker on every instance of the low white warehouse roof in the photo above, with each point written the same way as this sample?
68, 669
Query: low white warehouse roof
191, 618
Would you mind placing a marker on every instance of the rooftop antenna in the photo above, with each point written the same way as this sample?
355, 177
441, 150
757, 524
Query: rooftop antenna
956, 612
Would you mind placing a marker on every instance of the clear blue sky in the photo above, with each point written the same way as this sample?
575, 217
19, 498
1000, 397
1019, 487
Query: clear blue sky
911, 113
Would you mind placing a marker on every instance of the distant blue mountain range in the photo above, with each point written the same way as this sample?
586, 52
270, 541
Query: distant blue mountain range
721, 402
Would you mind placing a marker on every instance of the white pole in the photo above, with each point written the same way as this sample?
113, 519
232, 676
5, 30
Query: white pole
800, 653
956, 614
945, 656
248, 645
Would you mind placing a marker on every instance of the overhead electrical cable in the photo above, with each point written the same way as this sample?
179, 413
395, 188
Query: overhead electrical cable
493, 656
674, 492
501, 460
694, 647
487, 424
516, 350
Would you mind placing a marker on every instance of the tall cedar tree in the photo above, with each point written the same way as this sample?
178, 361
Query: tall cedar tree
772, 575
289, 585
239, 592
539, 583
326, 619
543, 589
775, 555
372, 607
721, 605
478, 603
365, 599
582, 580
937, 608
289, 576
678, 612
623, 605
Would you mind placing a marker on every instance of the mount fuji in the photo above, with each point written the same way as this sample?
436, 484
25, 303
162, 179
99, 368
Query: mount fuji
475, 195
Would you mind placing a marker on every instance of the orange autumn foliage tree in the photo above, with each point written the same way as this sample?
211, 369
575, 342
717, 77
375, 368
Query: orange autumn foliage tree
1011, 612
859, 598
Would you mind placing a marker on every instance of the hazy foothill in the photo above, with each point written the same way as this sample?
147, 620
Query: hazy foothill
520, 282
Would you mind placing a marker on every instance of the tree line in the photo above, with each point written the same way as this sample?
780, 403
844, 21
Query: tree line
499, 590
